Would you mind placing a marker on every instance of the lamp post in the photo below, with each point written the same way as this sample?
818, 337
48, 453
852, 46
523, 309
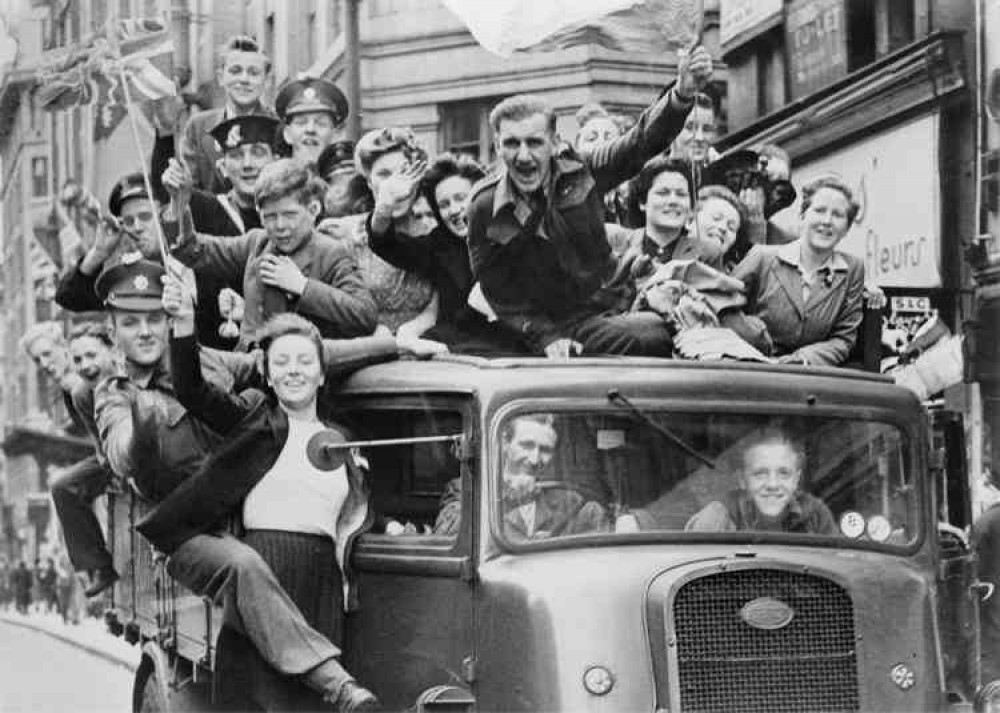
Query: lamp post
352, 63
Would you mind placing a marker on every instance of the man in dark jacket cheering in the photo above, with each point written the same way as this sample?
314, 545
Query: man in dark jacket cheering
536, 230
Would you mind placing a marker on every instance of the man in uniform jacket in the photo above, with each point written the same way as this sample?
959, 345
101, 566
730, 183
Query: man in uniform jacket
151, 440
537, 239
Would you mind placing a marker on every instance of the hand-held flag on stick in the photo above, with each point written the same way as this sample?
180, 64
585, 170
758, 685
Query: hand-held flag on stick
125, 59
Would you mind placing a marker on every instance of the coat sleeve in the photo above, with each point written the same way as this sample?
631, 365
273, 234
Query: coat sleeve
617, 161
339, 295
194, 158
342, 357
113, 399
748, 270
76, 291
222, 257
499, 275
411, 255
217, 408
835, 349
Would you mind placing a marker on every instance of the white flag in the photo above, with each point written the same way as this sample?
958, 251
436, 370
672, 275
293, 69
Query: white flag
507, 26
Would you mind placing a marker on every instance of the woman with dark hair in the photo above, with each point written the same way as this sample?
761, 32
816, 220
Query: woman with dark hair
661, 199
302, 520
809, 294
442, 257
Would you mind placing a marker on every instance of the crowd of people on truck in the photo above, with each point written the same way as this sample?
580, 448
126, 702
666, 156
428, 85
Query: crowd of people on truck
262, 257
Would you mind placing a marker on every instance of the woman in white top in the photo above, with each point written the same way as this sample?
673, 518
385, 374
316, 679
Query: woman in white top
297, 516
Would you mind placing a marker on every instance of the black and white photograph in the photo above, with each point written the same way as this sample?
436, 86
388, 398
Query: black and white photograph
500, 356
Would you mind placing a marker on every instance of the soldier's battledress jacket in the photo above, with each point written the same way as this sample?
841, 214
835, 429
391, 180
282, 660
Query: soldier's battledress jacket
539, 271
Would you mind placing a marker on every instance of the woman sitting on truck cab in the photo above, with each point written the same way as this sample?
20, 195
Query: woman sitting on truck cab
295, 515
809, 294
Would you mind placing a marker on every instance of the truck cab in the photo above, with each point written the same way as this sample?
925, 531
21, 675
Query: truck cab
639, 567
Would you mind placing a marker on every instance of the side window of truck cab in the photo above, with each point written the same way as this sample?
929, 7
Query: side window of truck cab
413, 453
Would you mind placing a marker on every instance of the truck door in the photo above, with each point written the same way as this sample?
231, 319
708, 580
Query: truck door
412, 637
958, 609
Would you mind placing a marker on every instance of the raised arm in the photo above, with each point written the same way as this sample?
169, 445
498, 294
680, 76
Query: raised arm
214, 406
618, 160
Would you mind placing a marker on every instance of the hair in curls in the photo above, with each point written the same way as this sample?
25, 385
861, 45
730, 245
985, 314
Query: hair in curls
640, 185
738, 250
444, 166
288, 177
284, 324
809, 191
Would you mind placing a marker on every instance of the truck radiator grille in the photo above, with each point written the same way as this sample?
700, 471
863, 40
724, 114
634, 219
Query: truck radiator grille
724, 664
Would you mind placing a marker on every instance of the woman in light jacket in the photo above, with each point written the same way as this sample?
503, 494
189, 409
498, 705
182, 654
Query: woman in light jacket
809, 294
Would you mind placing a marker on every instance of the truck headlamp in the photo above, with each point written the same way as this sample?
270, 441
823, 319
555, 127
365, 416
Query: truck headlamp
598, 680
903, 676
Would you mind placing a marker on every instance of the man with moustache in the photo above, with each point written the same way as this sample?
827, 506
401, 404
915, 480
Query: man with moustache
537, 239
528, 445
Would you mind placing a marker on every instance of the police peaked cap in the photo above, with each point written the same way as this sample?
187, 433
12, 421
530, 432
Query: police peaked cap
249, 129
311, 94
128, 187
131, 283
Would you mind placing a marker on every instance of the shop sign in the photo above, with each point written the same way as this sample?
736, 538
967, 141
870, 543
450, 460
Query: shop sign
743, 19
894, 176
816, 44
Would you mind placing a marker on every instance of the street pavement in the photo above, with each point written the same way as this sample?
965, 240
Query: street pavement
50, 667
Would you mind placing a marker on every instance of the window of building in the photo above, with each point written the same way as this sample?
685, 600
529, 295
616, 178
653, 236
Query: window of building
465, 128
860, 35
40, 177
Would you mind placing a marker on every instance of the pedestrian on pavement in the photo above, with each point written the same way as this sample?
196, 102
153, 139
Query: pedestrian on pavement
537, 237
48, 595
22, 580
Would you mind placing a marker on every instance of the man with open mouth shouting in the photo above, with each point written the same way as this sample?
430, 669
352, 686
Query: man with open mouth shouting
537, 239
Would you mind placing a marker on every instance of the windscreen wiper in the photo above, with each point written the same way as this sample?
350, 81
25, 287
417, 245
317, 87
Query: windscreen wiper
615, 396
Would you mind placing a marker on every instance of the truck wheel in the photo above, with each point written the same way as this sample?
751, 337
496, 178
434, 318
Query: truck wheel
150, 693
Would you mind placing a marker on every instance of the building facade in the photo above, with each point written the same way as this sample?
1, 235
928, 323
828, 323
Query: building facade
420, 67
884, 94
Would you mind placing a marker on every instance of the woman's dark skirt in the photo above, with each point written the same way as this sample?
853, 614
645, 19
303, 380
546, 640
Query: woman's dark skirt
306, 567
